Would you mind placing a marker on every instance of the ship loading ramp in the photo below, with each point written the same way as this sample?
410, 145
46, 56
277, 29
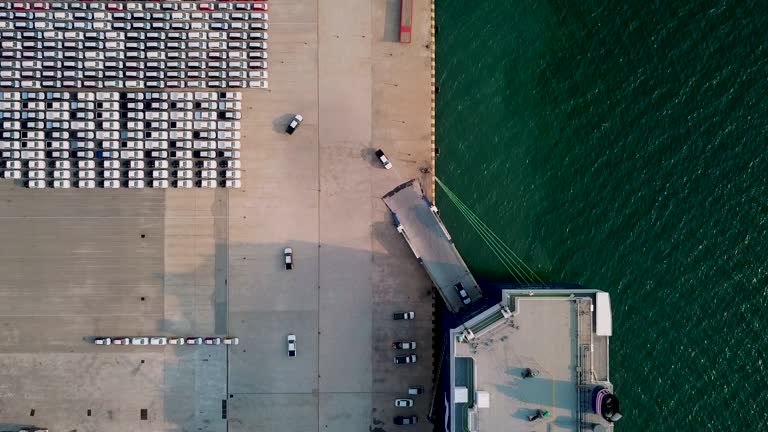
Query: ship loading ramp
417, 219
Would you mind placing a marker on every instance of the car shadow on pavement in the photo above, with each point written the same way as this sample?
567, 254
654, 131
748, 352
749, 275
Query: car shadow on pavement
369, 154
281, 122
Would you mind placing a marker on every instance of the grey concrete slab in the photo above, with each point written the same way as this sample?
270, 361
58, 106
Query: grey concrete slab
261, 363
195, 384
62, 388
273, 412
210, 261
345, 411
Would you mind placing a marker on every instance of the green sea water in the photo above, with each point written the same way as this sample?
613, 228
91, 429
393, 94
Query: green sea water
622, 145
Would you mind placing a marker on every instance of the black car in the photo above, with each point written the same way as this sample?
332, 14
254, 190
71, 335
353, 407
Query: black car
405, 359
462, 293
383, 159
288, 255
295, 122
403, 316
405, 420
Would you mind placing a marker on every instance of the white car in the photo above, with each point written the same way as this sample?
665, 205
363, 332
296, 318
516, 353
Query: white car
404, 345
111, 184
140, 341
121, 341
207, 174
229, 125
12, 174
229, 135
33, 154
183, 184
36, 184
258, 65
194, 341
212, 341
231, 105
61, 184
158, 341
258, 84
207, 184
231, 341
176, 341
131, 154
135, 184
232, 154
231, 183
160, 184
103, 341
205, 96
291, 345
403, 403
86, 184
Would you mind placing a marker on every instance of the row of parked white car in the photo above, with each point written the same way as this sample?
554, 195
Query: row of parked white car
116, 14
34, 134
117, 174
172, 44
149, 84
130, 77
111, 164
132, 184
134, 6
115, 154
161, 340
25, 96
85, 166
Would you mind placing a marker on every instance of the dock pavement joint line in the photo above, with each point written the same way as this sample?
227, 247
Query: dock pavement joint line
433, 146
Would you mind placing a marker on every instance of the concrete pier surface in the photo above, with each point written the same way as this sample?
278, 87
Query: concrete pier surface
77, 264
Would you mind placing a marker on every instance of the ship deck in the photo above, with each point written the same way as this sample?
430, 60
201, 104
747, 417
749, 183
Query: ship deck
547, 331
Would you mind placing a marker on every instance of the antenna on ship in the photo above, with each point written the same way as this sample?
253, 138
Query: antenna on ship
508, 258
